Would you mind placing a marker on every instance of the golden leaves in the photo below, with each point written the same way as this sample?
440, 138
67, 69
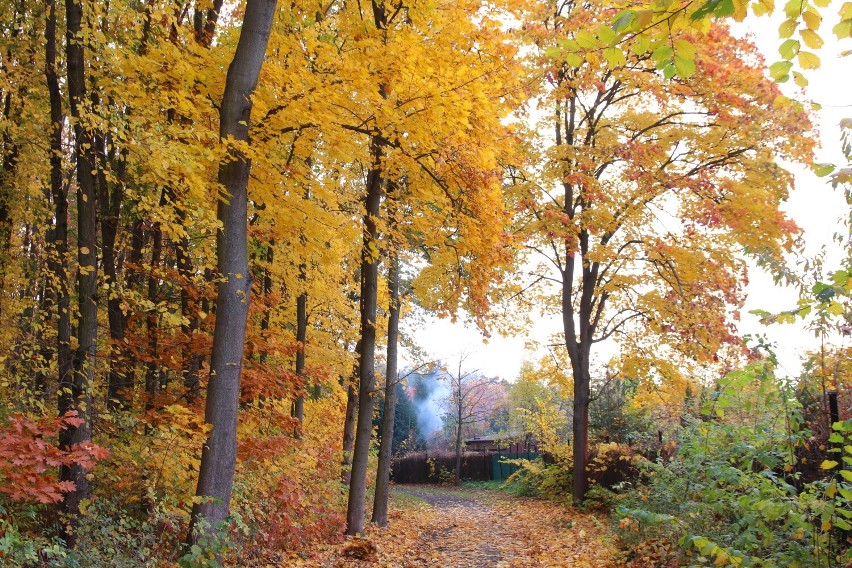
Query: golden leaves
459, 529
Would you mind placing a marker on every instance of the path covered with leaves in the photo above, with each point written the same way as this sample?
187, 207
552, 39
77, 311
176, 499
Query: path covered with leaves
474, 528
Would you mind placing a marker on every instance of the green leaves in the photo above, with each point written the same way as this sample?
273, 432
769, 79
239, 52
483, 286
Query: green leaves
623, 19
789, 48
586, 39
780, 70
822, 170
685, 67
614, 57
714, 8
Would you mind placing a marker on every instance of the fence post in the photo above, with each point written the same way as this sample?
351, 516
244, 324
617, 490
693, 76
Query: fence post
833, 410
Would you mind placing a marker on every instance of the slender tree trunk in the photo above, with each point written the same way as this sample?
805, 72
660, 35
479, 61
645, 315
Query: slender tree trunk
219, 454
356, 505
301, 336
204, 26
349, 422
266, 290
8, 166
152, 318
58, 244
459, 419
75, 394
189, 310
117, 384
349, 432
301, 331
578, 343
380, 502
111, 197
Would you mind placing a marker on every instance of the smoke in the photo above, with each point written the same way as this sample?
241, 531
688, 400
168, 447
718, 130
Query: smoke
429, 393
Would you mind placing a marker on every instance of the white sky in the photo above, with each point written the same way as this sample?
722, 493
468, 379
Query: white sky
814, 205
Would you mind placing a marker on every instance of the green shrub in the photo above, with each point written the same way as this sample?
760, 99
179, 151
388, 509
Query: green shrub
730, 496
535, 478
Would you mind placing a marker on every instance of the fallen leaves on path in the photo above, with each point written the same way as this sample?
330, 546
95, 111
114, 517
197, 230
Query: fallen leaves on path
474, 529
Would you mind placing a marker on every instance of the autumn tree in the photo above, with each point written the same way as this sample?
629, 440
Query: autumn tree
652, 192
450, 180
215, 480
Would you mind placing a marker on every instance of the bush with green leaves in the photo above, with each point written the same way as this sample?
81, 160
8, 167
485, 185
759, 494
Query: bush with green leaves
535, 478
731, 496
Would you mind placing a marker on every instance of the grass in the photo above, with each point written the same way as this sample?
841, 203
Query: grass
404, 501
489, 485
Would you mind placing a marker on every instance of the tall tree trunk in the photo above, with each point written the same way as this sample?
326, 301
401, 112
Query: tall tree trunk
117, 384
580, 430
356, 505
219, 454
301, 337
459, 419
75, 394
152, 318
578, 343
266, 290
380, 502
58, 244
349, 425
111, 197
204, 27
189, 310
8, 166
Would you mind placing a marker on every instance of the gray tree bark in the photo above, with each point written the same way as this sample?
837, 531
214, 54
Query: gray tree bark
59, 242
218, 458
349, 431
356, 506
380, 502
74, 392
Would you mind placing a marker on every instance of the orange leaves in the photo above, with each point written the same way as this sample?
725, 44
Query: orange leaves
658, 184
29, 459
290, 487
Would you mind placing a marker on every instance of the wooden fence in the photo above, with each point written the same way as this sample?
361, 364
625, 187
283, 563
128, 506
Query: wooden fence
440, 467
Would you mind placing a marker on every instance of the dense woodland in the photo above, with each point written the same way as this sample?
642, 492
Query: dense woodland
216, 219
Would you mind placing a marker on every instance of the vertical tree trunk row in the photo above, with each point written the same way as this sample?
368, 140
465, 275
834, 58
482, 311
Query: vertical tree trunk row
74, 393
356, 505
380, 502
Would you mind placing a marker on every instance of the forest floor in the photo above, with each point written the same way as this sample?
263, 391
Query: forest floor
473, 528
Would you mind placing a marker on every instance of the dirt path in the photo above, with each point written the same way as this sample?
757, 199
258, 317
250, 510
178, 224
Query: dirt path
470, 534
484, 529
447, 527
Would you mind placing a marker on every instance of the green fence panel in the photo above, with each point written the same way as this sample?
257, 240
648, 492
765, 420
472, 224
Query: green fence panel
501, 471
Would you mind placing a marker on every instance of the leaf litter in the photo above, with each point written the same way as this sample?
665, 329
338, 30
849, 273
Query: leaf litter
464, 528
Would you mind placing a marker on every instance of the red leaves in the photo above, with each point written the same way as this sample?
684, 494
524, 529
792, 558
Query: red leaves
29, 457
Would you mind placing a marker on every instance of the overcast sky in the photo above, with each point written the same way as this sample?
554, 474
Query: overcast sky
814, 205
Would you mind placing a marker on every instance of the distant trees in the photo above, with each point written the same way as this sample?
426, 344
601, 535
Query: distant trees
471, 401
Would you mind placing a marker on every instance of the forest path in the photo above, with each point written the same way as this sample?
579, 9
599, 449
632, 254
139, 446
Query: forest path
469, 532
450, 527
